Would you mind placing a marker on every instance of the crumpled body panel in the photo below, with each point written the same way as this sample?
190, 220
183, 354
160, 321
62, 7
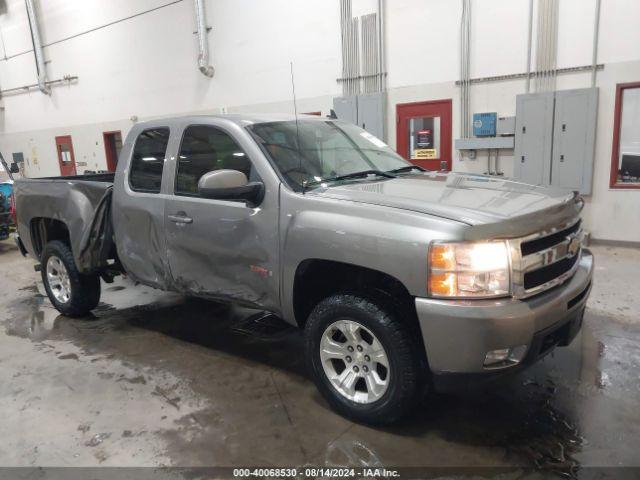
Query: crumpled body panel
82, 203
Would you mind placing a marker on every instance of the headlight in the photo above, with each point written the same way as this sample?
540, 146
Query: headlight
468, 269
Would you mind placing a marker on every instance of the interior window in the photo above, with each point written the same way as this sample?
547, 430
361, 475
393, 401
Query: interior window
148, 160
65, 153
204, 149
626, 157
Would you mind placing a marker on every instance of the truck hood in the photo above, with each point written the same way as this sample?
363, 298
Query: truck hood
471, 199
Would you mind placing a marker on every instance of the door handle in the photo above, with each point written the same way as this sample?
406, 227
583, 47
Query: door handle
180, 219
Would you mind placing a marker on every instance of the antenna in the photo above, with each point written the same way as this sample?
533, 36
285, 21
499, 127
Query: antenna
293, 89
295, 112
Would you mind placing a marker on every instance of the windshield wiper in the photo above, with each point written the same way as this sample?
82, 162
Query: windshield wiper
363, 173
408, 168
347, 176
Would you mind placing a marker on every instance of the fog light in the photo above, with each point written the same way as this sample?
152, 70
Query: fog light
517, 353
496, 356
505, 357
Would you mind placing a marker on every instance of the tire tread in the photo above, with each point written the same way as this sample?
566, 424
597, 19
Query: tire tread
85, 289
398, 334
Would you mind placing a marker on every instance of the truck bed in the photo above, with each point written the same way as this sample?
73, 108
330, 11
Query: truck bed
79, 204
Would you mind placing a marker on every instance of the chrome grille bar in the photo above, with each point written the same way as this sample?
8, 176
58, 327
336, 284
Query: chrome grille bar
567, 247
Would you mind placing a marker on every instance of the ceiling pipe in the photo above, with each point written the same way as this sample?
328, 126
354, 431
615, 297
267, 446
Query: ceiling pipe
528, 89
596, 30
37, 48
203, 44
382, 68
465, 70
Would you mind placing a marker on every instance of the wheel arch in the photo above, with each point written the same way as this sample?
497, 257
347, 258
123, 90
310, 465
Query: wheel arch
316, 279
44, 230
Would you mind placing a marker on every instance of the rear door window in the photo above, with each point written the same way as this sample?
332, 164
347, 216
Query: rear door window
147, 161
204, 149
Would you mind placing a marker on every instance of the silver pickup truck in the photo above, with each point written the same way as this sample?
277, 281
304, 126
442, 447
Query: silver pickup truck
401, 278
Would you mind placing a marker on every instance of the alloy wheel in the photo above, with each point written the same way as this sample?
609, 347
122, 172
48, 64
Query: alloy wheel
354, 361
58, 279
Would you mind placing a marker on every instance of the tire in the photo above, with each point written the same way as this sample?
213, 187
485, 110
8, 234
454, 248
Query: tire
82, 291
378, 319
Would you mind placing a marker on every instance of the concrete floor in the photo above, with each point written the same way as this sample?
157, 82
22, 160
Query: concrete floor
156, 379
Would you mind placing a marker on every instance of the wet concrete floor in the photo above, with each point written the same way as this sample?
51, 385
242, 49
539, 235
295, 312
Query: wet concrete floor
155, 379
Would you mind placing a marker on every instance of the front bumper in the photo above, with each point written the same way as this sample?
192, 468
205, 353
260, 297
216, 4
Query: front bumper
458, 334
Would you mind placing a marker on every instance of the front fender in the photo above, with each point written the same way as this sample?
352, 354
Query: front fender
385, 239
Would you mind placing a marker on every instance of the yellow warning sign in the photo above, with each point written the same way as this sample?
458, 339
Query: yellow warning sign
424, 154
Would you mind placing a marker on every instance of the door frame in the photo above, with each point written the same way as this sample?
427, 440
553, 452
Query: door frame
58, 140
111, 162
446, 130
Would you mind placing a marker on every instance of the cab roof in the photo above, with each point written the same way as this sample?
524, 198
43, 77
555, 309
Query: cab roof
242, 119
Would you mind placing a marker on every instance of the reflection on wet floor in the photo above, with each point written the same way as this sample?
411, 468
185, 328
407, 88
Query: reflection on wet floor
246, 398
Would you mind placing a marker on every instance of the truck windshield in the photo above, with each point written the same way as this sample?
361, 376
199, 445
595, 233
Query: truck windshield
315, 151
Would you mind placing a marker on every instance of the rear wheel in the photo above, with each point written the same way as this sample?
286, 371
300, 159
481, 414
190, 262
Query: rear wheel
364, 359
72, 293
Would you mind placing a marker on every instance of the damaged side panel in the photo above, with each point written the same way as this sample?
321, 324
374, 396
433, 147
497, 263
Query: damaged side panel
138, 223
228, 251
96, 246
77, 208
139, 229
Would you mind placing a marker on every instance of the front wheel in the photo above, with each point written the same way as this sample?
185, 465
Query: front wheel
72, 293
363, 358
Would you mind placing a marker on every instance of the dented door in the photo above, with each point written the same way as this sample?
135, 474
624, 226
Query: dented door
220, 248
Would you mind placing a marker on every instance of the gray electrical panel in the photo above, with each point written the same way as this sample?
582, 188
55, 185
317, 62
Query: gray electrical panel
534, 138
506, 126
366, 111
574, 139
555, 138
370, 113
346, 108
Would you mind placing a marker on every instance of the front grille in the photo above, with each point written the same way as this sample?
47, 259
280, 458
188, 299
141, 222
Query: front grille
545, 260
538, 244
546, 274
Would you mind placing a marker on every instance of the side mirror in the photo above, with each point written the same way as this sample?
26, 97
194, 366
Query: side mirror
230, 185
14, 168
